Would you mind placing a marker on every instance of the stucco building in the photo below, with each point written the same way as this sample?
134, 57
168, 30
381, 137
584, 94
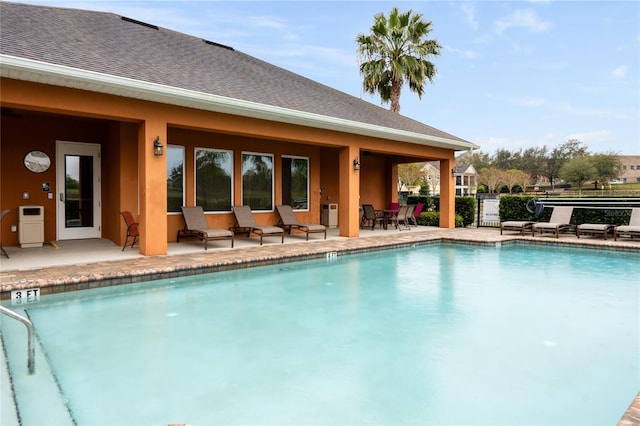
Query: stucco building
87, 97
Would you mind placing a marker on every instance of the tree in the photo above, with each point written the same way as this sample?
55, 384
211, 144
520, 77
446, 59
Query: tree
410, 174
578, 170
608, 167
491, 177
561, 154
515, 177
478, 159
397, 52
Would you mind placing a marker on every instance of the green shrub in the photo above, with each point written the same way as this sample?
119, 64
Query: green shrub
514, 207
466, 208
433, 219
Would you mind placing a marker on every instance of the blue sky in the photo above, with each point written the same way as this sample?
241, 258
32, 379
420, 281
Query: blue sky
512, 74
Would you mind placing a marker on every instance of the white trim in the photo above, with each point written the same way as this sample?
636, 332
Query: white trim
60, 75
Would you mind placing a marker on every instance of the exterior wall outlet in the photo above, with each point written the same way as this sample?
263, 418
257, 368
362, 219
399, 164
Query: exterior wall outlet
25, 195
14, 228
50, 195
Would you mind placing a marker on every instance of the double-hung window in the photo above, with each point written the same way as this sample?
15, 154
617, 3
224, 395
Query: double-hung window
214, 179
295, 182
257, 181
175, 178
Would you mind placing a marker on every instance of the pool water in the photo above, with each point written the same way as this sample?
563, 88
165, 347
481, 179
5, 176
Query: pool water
437, 334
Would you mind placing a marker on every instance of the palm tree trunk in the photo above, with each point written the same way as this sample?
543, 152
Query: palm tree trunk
395, 96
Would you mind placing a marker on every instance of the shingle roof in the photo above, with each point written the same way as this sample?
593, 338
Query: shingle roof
110, 44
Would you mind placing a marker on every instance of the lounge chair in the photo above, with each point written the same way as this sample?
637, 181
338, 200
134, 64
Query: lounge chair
632, 229
370, 217
247, 224
559, 222
594, 229
288, 221
522, 226
132, 229
195, 225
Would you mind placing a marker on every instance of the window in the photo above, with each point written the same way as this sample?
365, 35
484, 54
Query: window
257, 181
631, 167
213, 175
175, 178
295, 182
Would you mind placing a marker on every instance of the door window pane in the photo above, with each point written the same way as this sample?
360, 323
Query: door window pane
295, 182
78, 199
214, 171
257, 181
175, 178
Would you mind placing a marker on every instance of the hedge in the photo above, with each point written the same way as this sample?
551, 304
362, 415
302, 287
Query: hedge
465, 207
514, 207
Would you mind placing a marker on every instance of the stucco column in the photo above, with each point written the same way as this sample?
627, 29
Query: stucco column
349, 198
447, 194
152, 188
392, 190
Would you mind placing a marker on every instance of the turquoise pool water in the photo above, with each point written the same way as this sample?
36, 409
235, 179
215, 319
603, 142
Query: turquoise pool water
439, 334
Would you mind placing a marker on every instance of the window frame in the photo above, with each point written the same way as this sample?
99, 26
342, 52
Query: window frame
195, 177
242, 172
296, 157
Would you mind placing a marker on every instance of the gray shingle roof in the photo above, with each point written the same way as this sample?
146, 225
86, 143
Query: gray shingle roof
106, 43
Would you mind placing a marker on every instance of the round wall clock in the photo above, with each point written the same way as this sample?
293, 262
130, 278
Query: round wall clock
37, 161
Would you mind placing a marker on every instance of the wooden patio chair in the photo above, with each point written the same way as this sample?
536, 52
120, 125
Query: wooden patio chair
245, 222
132, 229
2, 215
195, 225
288, 221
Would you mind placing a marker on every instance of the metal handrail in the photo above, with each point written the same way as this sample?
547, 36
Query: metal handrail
31, 357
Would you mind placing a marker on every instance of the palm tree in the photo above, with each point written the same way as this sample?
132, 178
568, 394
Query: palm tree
396, 52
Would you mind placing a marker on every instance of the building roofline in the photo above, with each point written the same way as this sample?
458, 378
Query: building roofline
18, 68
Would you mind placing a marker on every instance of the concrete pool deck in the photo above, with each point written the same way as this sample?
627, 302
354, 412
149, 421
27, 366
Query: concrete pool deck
85, 264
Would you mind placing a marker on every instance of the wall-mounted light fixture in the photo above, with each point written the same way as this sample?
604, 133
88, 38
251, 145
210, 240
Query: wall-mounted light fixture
157, 147
453, 171
356, 164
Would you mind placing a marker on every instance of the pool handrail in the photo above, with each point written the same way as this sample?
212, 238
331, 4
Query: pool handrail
31, 357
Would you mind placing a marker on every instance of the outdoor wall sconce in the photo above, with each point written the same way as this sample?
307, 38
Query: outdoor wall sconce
157, 147
453, 171
356, 164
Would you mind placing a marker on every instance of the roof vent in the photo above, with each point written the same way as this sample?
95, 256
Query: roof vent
218, 45
144, 24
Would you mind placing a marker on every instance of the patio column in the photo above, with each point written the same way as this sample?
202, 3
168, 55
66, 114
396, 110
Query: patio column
349, 198
392, 189
447, 194
152, 188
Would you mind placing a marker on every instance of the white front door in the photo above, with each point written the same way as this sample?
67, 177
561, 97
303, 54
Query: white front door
78, 209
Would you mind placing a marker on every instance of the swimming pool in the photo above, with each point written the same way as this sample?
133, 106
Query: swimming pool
438, 334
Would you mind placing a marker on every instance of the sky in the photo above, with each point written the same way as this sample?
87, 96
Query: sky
511, 75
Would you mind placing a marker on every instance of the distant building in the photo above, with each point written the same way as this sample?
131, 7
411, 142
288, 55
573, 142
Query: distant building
630, 169
466, 179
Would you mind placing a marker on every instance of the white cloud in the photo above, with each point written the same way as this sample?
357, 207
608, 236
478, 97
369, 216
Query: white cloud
524, 18
468, 54
620, 72
469, 11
